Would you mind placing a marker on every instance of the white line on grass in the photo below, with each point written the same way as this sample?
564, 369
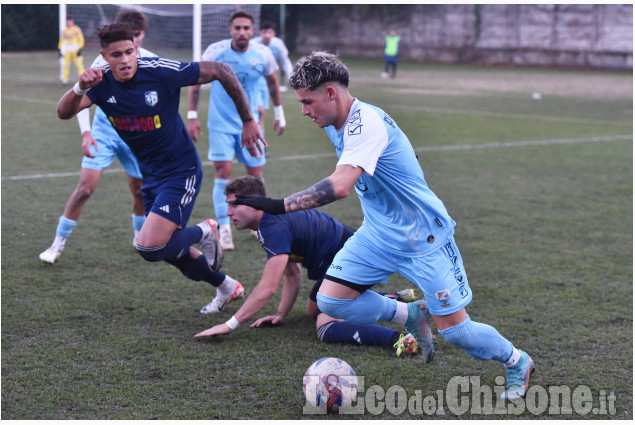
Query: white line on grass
504, 115
419, 149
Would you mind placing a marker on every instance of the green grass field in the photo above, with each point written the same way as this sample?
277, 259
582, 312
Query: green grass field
541, 189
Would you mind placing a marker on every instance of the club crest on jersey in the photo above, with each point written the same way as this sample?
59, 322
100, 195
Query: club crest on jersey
152, 98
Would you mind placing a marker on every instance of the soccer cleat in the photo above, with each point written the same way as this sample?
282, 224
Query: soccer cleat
210, 245
226, 240
406, 295
406, 345
517, 382
221, 300
52, 254
418, 324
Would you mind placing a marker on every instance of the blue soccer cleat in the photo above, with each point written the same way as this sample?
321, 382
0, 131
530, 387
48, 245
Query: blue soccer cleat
517, 382
418, 324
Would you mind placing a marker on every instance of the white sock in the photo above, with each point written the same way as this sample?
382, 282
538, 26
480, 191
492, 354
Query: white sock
401, 315
513, 359
60, 241
227, 286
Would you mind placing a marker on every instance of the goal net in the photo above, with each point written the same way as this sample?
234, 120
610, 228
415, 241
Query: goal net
170, 26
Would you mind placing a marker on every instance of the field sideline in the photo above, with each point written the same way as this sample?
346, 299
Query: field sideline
541, 190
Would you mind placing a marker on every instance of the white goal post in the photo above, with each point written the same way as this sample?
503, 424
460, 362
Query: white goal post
177, 31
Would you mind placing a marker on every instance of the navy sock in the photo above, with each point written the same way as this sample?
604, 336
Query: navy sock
178, 245
197, 269
358, 334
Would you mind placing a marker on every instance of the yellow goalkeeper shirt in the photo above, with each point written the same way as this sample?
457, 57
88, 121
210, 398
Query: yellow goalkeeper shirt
71, 40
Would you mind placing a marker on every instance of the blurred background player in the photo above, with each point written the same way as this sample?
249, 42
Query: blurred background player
70, 47
281, 53
392, 48
100, 146
311, 238
141, 97
250, 61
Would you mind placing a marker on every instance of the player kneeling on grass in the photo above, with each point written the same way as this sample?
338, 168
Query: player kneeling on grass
311, 238
141, 98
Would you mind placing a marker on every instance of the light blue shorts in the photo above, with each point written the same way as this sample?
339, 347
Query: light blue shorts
440, 275
223, 147
110, 145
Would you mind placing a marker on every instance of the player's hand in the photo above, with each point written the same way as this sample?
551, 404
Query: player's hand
87, 141
221, 329
250, 136
90, 78
194, 128
267, 320
277, 128
262, 203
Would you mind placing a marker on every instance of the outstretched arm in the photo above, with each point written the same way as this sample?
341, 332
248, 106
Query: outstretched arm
337, 186
257, 299
290, 289
210, 71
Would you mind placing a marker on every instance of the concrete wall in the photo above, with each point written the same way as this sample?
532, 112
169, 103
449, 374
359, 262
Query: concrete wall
579, 36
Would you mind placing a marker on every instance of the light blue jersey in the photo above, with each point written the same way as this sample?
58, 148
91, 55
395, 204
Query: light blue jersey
249, 66
280, 52
401, 214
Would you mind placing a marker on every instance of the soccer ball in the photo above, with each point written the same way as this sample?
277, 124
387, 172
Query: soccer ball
330, 383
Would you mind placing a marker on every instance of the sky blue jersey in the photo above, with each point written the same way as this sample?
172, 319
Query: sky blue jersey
401, 214
249, 66
145, 113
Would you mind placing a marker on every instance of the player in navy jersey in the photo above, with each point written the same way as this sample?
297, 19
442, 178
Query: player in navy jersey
100, 145
250, 61
406, 228
140, 97
308, 238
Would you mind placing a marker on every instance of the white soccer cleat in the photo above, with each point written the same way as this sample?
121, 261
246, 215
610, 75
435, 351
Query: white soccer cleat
52, 254
210, 246
225, 238
222, 299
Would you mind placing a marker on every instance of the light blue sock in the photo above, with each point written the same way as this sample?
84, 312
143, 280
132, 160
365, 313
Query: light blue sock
137, 222
479, 340
65, 227
218, 198
369, 307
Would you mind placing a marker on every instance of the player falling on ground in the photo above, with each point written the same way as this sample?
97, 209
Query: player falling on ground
406, 228
308, 238
140, 97
250, 61
100, 146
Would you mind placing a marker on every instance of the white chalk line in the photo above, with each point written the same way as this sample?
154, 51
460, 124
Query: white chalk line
548, 142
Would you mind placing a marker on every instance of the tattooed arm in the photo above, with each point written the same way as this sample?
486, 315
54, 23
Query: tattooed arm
337, 186
210, 71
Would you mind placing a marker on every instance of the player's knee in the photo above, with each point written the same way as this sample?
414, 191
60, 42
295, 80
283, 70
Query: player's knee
335, 307
84, 191
152, 254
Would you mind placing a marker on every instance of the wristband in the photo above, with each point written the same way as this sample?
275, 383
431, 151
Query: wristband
279, 115
232, 323
83, 117
78, 91
192, 115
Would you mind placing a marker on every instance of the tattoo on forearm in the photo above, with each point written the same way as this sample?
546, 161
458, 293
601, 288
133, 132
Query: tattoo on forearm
227, 77
196, 93
319, 194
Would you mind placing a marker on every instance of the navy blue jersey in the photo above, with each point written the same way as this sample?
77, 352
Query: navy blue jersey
145, 113
310, 237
